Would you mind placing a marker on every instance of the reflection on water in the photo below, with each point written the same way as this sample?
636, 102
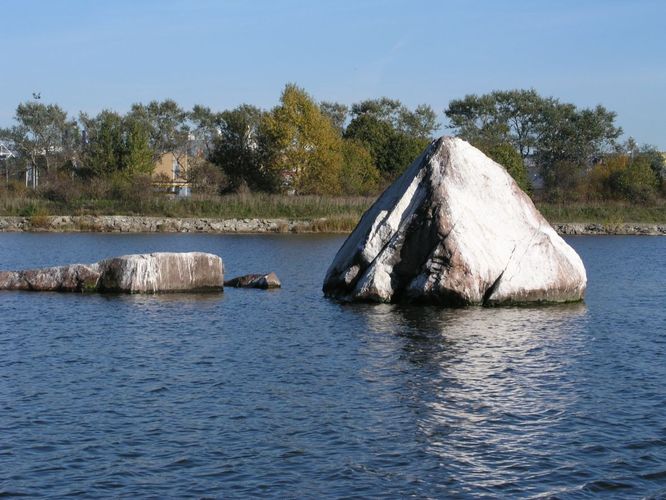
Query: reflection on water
288, 394
498, 380
155, 303
493, 391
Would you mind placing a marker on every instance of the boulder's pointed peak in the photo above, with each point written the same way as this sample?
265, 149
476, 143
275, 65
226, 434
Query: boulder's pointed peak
456, 229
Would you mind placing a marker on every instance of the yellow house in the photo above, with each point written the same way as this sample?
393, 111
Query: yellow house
170, 174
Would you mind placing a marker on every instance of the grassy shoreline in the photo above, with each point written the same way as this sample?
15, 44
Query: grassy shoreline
235, 206
609, 212
340, 213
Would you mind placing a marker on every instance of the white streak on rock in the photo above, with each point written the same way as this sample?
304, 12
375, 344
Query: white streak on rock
142, 273
455, 228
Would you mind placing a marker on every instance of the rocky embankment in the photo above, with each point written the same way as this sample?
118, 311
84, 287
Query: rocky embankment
626, 228
140, 224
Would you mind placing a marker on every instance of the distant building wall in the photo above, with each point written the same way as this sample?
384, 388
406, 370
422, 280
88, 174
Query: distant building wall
170, 173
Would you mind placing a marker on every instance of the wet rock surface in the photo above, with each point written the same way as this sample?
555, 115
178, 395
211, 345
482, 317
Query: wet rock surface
262, 281
455, 229
141, 273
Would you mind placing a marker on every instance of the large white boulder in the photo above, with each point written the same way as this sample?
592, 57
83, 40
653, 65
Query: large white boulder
455, 229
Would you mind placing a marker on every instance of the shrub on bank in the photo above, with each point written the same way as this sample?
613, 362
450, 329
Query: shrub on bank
622, 177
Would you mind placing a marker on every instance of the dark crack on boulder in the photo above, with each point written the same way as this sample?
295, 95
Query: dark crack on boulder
455, 229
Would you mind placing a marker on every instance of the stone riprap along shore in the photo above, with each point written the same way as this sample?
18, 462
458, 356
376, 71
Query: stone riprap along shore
142, 224
626, 228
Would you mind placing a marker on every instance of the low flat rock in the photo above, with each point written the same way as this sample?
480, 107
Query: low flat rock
455, 229
141, 273
262, 281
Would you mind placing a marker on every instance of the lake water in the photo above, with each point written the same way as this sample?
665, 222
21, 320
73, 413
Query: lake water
287, 394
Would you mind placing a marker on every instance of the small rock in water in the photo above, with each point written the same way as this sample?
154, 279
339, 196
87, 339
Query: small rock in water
263, 281
455, 229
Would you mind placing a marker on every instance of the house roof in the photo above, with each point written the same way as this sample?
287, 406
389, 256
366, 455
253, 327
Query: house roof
5, 151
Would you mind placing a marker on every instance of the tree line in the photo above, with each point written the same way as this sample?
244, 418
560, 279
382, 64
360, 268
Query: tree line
302, 146
575, 152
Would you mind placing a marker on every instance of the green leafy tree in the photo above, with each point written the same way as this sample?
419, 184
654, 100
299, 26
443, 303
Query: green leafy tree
376, 135
335, 112
43, 136
358, 176
392, 150
628, 174
137, 158
116, 145
650, 154
418, 124
207, 178
402, 150
514, 116
598, 181
303, 149
564, 181
393, 134
237, 149
383, 109
206, 126
578, 136
657, 162
636, 183
104, 146
561, 139
167, 125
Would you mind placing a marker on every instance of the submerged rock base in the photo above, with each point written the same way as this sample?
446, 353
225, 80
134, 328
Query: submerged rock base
455, 229
141, 273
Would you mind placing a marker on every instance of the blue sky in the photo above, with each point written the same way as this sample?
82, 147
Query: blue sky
90, 55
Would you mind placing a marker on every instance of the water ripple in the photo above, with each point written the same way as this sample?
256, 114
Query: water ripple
291, 395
